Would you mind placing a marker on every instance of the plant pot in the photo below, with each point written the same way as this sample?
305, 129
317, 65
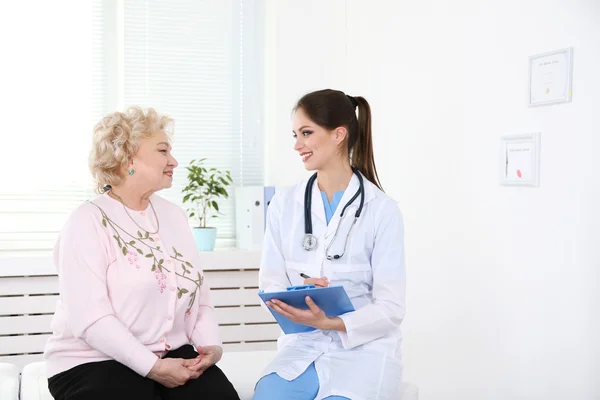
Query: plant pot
205, 238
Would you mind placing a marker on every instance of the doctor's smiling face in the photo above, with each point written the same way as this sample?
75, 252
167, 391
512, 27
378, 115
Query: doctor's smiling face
316, 145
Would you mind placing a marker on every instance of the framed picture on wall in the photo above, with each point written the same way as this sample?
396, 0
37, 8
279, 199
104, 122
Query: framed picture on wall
551, 77
520, 160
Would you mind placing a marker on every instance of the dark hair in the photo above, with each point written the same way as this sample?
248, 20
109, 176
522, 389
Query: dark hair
332, 109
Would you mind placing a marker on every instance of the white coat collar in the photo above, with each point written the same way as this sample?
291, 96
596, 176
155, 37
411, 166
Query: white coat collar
318, 208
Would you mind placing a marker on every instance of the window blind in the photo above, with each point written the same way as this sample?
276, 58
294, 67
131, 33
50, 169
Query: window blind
189, 59
45, 80
197, 61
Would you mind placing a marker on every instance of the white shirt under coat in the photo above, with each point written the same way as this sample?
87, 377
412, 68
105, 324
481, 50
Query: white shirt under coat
363, 363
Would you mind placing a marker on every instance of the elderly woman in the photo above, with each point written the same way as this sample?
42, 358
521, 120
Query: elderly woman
132, 298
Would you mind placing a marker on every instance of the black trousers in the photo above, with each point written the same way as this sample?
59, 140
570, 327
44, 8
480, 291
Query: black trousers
111, 380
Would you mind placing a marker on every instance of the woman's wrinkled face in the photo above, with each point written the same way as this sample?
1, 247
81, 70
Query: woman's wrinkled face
316, 145
153, 163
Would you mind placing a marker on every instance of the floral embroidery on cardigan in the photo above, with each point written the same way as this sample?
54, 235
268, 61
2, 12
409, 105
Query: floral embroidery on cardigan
132, 257
143, 245
161, 278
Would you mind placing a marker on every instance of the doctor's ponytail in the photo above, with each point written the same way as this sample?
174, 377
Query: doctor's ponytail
332, 109
361, 153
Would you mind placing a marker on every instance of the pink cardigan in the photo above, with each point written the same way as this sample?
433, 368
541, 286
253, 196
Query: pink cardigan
127, 295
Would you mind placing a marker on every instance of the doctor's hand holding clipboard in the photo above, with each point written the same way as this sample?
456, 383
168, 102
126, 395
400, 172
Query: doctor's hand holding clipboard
314, 316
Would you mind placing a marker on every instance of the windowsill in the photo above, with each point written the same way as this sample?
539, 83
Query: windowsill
41, 263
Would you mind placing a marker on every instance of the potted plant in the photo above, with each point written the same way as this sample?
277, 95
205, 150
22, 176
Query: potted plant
205, 186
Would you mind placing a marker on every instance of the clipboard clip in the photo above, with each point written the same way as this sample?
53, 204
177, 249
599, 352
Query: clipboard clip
301, 287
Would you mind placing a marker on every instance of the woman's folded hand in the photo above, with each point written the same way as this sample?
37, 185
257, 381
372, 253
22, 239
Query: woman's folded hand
207, 357
173, 372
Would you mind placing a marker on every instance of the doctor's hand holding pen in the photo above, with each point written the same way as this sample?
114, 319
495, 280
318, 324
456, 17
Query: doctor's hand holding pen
318, 282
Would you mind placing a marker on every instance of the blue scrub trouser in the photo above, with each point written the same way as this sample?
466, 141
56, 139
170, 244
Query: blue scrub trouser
304, 387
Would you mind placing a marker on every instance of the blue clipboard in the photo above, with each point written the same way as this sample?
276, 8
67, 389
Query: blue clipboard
333, 300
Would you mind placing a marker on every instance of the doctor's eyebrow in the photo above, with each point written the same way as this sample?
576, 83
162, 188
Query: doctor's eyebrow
301, 128
165, 143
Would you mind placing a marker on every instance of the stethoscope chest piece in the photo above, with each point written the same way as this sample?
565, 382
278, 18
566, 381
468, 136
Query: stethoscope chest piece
309, 242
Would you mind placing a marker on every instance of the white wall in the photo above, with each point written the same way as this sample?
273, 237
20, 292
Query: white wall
503, 282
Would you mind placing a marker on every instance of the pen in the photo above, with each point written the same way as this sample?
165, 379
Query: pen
302, 274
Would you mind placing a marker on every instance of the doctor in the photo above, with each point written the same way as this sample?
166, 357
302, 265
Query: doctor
336, 228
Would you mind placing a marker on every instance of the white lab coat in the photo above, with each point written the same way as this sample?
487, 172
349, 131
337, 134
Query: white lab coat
363, 363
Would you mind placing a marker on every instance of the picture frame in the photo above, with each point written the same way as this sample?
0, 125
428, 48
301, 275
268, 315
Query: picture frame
520, 160
551, 78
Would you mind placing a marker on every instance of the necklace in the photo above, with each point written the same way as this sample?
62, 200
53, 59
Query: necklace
153, 210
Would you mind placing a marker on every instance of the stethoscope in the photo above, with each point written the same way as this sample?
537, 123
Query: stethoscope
310, 241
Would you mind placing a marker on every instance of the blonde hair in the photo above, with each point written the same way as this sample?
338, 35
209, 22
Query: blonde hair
116, 139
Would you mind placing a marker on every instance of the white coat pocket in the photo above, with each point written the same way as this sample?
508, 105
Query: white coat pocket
294, 269
357, 279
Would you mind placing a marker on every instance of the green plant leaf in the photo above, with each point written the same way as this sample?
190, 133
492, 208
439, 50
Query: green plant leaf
147, 234
104, 222
188, 264
132, 242
153, 267
140, 251
160, 261
124, 250
139, 234
157, 247
150, 239
149, 255
184, 290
